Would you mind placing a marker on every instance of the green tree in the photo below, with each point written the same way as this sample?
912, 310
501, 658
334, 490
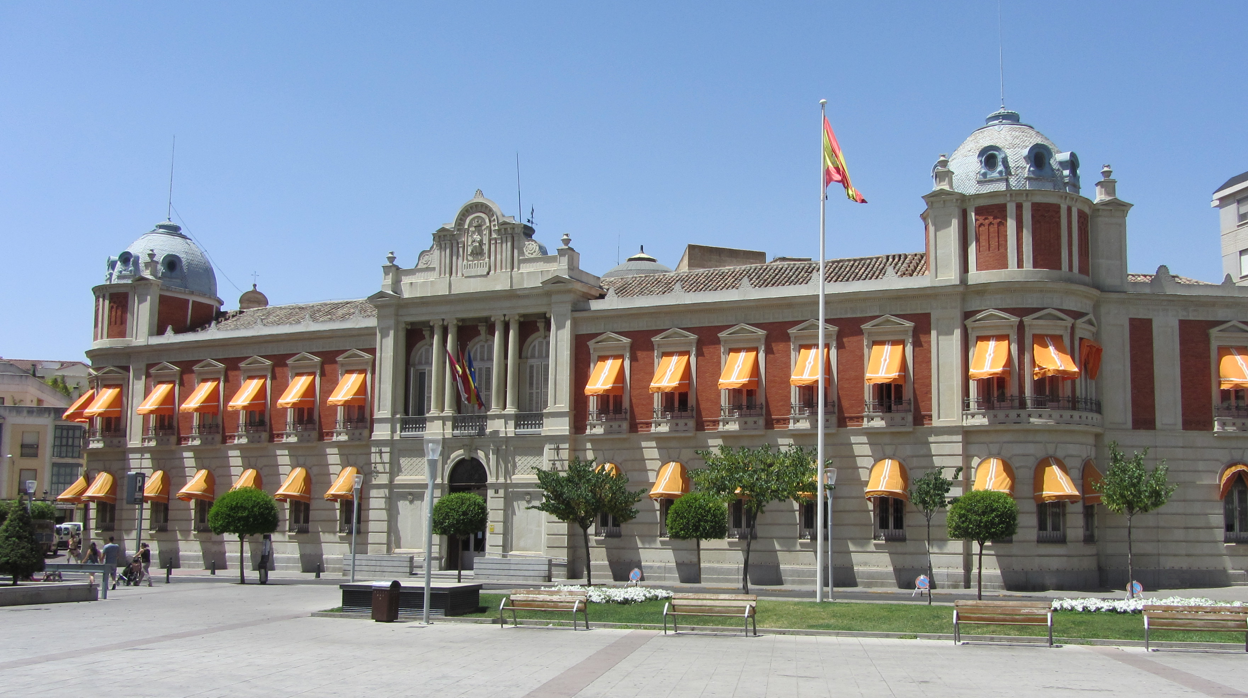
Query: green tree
982, 516
42, 510
929, 495
459, 514
697, 516
58, 384
244, 512
1128, 488
5, 506
20, 555
758, 477
581, 494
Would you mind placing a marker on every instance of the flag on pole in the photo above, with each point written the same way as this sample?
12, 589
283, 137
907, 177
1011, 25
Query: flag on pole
459, 376
470, 370
834, 168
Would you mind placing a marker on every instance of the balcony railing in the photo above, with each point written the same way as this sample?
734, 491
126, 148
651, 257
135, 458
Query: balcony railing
891, 535
1235, 537
603, 422
30, 450
661, 413
620, 415
468, 425
887, 406
105, 434
740, 410
811, 409
348, 430
1051, 536
1233, 411
1033, 402
412, 426
529, 421
203, 435
608, 532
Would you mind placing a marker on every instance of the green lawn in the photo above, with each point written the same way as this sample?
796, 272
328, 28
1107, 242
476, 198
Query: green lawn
909, 619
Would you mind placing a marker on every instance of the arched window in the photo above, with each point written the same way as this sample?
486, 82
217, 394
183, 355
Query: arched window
420, 388
536, 374
1235, 512
483, 366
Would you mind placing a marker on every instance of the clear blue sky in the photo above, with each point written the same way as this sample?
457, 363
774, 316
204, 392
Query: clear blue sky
314, 137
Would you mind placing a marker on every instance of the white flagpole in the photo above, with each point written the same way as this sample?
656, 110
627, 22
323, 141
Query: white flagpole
819, 393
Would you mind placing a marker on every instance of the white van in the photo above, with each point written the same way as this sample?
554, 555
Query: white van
65, 531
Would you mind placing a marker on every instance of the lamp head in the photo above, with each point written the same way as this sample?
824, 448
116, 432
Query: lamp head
433, 448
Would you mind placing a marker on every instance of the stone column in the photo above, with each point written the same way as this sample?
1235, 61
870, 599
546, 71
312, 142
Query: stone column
438, 370
452, 346
551, 362
513, 362
496, 377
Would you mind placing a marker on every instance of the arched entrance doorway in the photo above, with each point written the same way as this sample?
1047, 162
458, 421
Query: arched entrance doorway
467, 475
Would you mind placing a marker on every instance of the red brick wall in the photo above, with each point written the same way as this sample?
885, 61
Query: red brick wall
1085, 246
1143, 402
1046, 236
202, 314
118, 315
991, 240
1195, 374
172, 311
1018, 235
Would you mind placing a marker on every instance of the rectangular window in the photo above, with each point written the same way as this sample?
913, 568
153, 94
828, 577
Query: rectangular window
201, 516
160, 516
1089, 523
105, 516
63, 475
1243, 263
423, 397
28, 475
300, 516
1050, 526
67, 441
742, 521
30, 444
346, 508
303, 419
675, 404
665, 505
888, 397
538, 385
608, 526
1235, 510
890, 518
809, 520
1241, 210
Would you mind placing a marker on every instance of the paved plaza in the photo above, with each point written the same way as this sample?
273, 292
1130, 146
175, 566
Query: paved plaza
201, 637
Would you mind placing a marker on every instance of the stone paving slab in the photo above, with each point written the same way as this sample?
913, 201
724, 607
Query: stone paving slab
231, 640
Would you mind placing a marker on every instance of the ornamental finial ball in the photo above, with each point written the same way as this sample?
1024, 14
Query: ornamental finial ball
823, 102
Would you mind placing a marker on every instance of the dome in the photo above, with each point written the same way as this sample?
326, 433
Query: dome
182, 265
252, 299
638, 264
1005, 154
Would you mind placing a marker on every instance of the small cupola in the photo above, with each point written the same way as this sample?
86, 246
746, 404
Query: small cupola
250, 300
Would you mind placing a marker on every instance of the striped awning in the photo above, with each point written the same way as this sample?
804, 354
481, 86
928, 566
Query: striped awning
106, 404
740, 370
159, 400
203, 486
296, 486
205, 399
607, 377
352, 389
157, 488
1232, 474
1233, 367
343, 484
609, 468
887, 363
1091, 480
672, 375
672, 482
73, 493
806, 369
248, 478
1051, 357
889, 479
992, 357
1053, 483
994, 474
250, 397
300, 393
103, 489
77, 411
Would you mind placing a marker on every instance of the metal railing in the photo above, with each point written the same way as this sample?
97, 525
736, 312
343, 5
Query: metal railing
30, 450
205, 429
1235, 537
529, 421
308, 425
1233, 411
811, 409
895, 535
103, 434
1032, 402
740, 410
253, 428
742, 534
351, 424
413, 425
661, 413
298, 528
160, 431
468, 425
887, 407
1051, 536
620, 415
608, 532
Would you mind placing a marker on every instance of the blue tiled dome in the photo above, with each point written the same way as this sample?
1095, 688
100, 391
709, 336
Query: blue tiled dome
182, 264
1005, 153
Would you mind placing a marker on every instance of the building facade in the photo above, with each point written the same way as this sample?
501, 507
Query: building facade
1015, 346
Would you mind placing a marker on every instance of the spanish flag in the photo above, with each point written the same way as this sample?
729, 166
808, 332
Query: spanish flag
834, 169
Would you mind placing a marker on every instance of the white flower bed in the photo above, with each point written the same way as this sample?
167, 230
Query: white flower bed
1131, 605
621, 595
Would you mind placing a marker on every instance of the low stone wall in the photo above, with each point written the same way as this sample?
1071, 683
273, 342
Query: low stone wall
52, 592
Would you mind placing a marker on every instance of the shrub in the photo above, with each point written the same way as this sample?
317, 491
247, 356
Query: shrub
20, 555
244, 512
982, 516
697, 516
42, 510
460, 514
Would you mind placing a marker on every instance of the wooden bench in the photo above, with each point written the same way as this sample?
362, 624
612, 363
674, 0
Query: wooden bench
1218, 619
1002, 613
743, 606
544, 600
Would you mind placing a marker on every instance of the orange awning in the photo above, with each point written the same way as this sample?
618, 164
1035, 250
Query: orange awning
673, 373
248, 478
296, 486
994, 474
1233, 367
300, 393
887, 363
106, 404
1051, 357
1053, 483
806, 370
73, 493
740, 370
1090, 357
159, 401
889, 479
157, 488
202, 486
251, 397
607, 377
352, 390
343, 484
1091, 479
672, 483
103, 489
1229, 476
609, 468
205, 399
992, 357
77, 411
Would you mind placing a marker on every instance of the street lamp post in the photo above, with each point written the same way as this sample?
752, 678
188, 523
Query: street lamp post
355, 517
829, 476
433, 451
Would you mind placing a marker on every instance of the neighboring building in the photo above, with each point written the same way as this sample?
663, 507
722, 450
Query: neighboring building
1015, 346
1231, 200
75, 374
35, 443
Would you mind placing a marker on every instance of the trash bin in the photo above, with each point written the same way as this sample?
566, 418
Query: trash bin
386, 602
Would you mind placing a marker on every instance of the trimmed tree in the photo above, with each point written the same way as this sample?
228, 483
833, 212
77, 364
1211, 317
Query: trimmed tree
1128, 488
758, 477
930, 494
697, 516
20, 555
460, 514
42, 510
243, 512
581, 494
982, 516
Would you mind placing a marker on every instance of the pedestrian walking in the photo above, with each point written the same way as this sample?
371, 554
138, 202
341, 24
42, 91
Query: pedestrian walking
74, 550
145, 554
93, 554
111, 553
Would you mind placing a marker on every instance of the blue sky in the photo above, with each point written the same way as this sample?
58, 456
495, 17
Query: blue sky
314, 138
